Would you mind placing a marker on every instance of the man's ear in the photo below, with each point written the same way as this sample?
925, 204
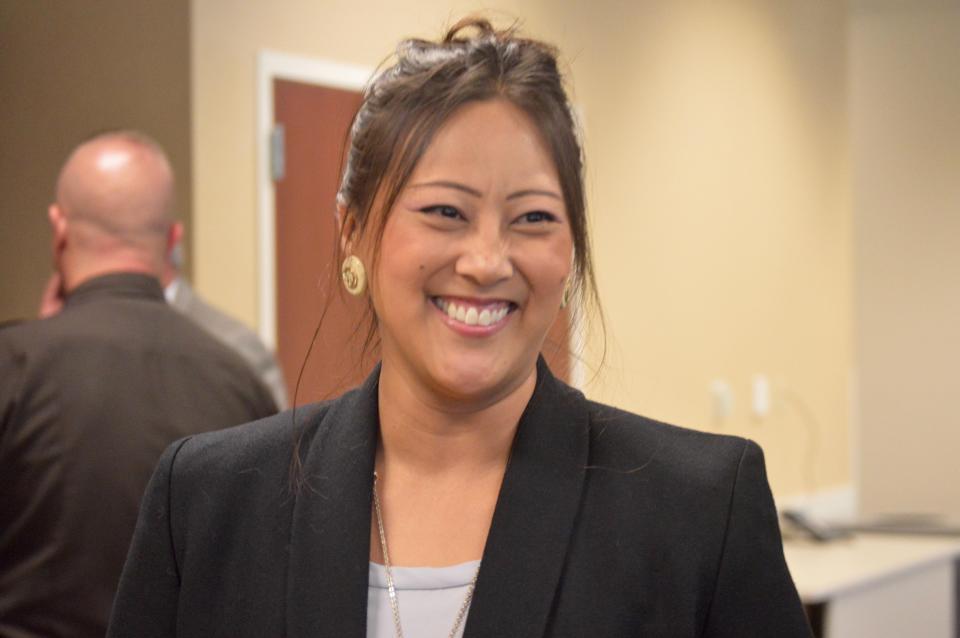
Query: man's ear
347, 226
58, 228
174, 237
57, 219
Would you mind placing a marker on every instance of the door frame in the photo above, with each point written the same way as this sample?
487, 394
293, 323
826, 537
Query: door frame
274, 65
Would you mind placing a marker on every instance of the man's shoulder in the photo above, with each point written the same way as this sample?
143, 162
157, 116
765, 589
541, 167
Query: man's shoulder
119, 334
16, 340
33, 334
14, 330
140, 324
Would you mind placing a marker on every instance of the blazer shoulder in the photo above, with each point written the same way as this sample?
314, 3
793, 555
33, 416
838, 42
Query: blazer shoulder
256, 446
627, 442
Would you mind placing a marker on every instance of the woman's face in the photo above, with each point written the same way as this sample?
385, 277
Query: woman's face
474, 257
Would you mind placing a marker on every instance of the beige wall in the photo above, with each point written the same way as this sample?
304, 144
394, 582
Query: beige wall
718, 174
905, 109
717, 179
67, 70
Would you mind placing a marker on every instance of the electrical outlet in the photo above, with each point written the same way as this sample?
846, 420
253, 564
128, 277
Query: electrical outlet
721, 399
761, 396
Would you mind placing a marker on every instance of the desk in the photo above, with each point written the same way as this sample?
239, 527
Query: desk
879, 586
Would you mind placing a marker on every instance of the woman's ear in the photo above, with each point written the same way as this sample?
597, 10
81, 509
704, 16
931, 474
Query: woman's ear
347, 226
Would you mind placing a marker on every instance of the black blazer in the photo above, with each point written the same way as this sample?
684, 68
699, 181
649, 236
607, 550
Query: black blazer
607, 524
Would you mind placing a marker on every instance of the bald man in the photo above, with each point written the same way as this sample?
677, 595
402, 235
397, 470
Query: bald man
91, 396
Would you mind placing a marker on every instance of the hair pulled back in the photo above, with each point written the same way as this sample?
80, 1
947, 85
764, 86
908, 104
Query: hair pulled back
407, 103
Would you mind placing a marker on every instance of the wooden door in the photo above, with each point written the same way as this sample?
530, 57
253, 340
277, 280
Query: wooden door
315, 120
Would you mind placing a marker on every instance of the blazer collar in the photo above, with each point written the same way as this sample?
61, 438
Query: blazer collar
526, 547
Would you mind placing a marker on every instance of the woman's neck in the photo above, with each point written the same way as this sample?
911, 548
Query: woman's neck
441, 462
431, 435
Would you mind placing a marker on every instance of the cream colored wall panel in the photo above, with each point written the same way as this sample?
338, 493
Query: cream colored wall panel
905, 100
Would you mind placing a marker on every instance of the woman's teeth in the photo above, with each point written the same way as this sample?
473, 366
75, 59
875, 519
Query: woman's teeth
471, 315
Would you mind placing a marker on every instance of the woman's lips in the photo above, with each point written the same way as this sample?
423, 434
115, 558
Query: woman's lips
474, 313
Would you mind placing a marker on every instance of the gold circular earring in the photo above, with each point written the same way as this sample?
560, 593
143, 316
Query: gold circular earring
354, 275
565, 299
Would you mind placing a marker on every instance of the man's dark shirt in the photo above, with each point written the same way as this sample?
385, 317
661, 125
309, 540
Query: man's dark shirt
88, 401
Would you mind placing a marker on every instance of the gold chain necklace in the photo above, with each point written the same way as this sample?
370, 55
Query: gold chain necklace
392, 590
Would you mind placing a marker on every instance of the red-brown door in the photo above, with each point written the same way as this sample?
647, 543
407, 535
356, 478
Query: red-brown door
315, 121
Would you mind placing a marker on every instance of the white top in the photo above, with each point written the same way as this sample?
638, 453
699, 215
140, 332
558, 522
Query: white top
429, 599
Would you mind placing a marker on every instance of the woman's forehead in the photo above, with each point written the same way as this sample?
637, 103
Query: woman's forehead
488, 143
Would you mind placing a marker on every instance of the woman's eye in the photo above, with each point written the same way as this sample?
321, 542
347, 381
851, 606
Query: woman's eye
537, 217
442, 210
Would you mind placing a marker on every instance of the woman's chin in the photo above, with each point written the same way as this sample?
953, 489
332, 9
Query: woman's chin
477, 381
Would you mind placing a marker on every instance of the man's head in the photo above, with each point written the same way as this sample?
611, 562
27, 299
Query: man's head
113, 209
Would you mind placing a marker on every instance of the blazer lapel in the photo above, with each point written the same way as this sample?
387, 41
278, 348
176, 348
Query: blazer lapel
330, 537
534, 516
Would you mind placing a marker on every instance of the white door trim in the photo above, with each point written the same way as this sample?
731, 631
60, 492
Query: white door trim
273, 65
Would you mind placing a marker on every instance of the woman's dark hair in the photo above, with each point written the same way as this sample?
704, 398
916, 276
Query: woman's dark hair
408, 102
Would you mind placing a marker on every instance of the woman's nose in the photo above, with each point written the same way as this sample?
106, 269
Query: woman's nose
485, 258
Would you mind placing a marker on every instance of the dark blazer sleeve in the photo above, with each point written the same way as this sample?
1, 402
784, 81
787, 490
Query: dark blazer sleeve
754, 594
146, 602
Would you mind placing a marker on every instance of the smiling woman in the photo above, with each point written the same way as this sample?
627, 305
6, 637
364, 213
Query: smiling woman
480, 233
462, 489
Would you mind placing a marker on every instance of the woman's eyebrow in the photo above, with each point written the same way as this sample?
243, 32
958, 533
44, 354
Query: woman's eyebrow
533, 191
447, 184
472, 191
